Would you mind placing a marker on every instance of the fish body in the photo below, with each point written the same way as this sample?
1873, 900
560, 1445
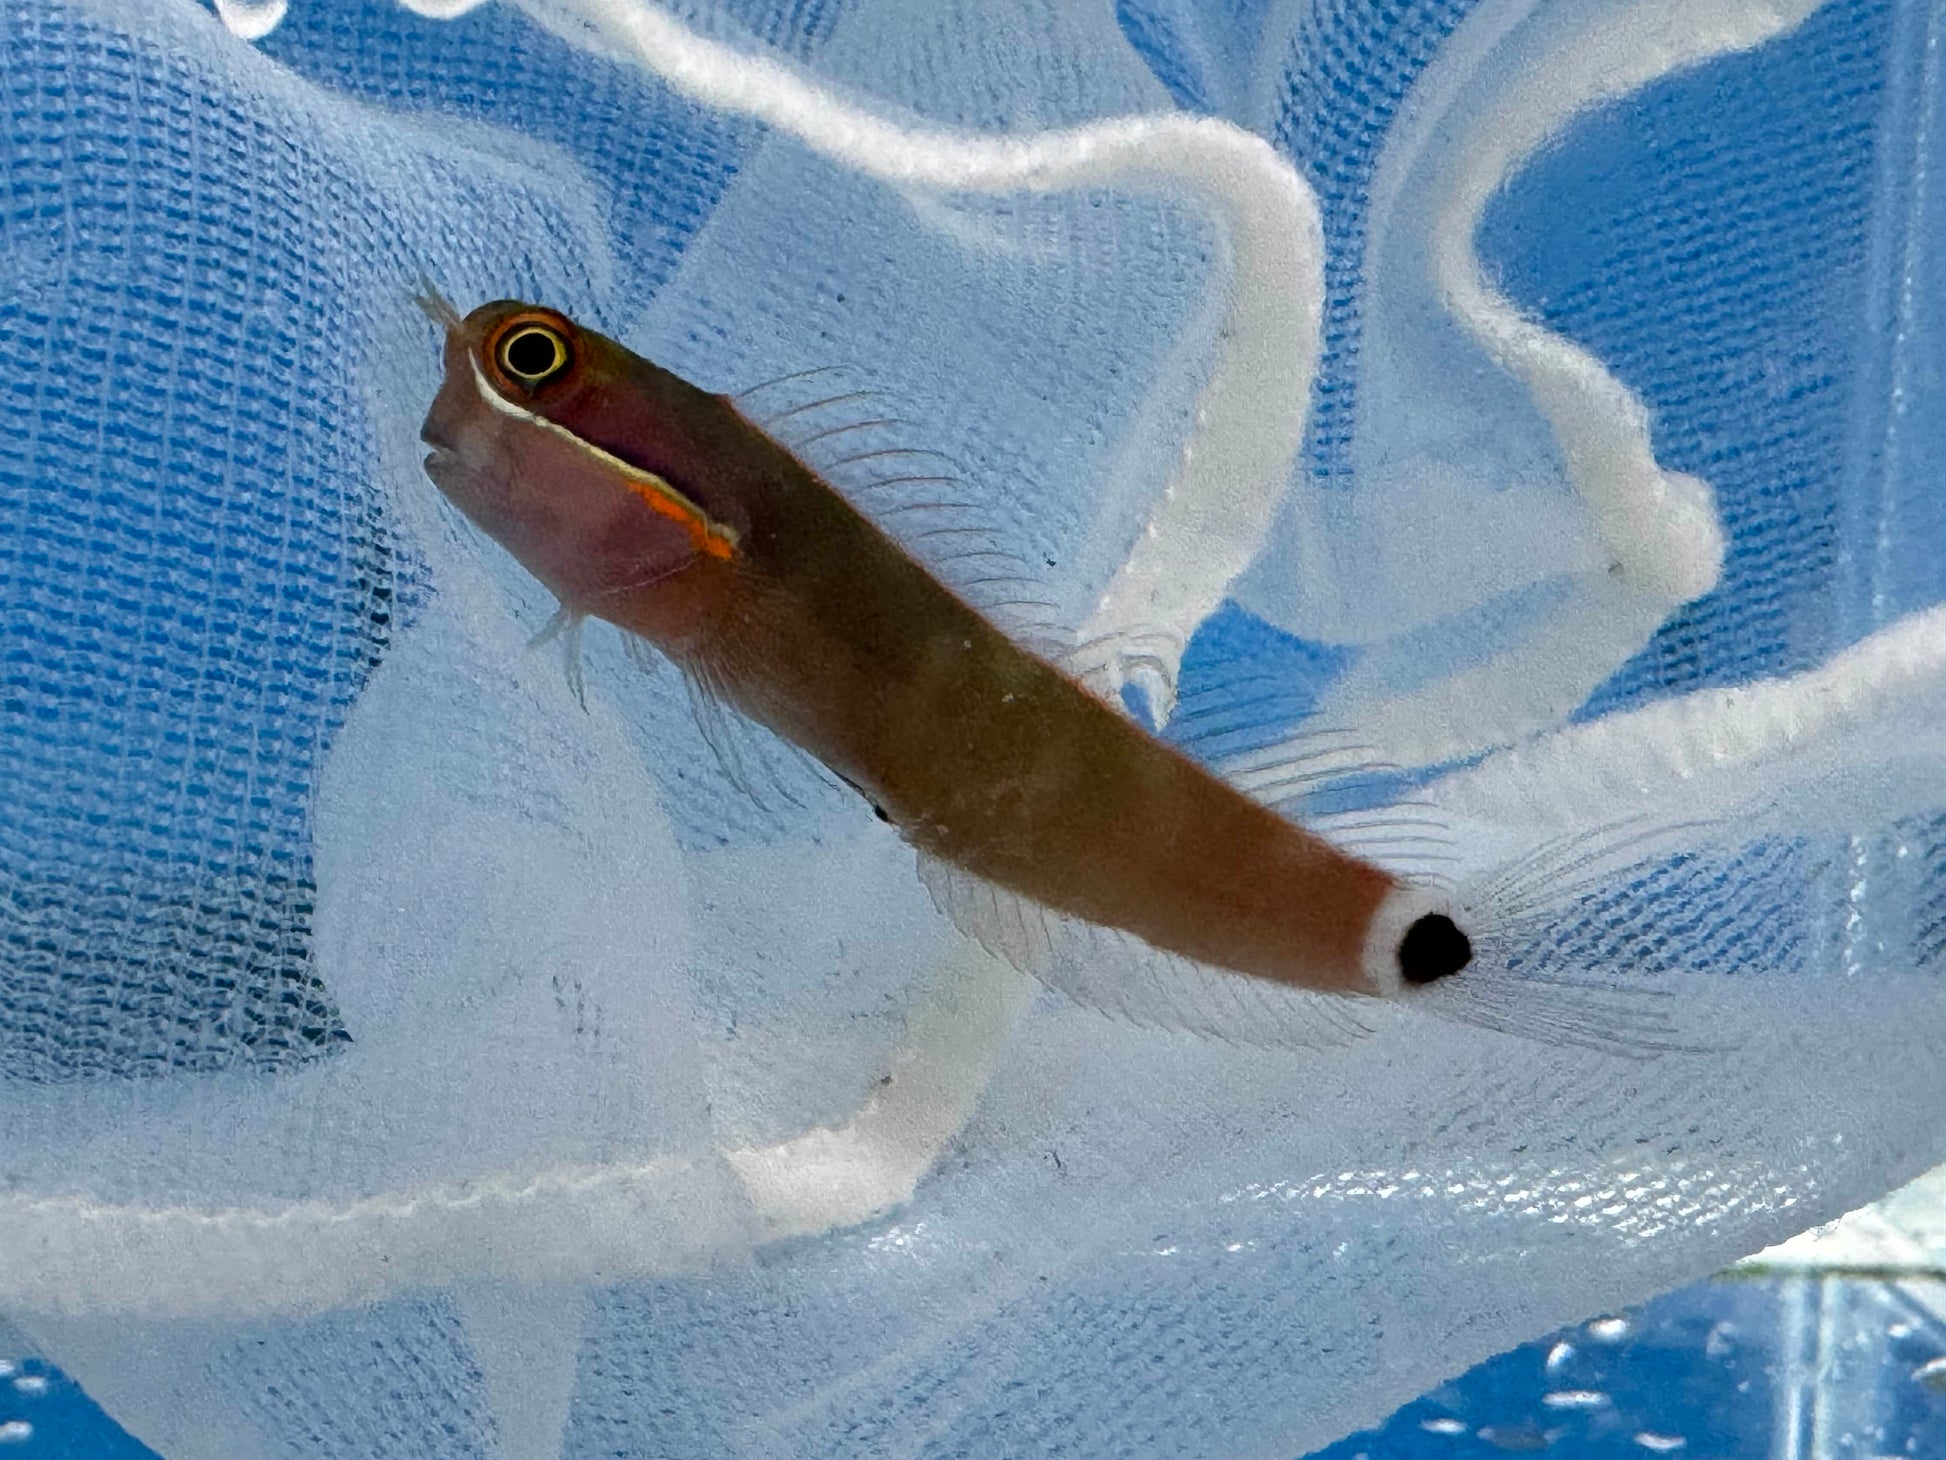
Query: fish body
642, 500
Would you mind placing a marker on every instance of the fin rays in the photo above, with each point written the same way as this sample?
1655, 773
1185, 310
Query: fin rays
758, 763
1123, 976
771, 423
567, 625
792, 378
919, 497
1522, 985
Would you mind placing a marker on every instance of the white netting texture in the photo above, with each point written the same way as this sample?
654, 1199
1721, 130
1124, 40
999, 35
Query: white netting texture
398, 1058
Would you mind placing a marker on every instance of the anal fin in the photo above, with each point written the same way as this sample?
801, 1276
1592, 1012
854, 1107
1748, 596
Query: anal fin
1121, 975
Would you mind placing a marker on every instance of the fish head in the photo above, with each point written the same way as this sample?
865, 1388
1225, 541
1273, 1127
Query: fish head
574, 454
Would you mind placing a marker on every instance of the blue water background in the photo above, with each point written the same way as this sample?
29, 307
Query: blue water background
1732, 1368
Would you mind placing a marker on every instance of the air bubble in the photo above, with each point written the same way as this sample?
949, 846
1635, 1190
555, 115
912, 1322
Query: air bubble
1575, 1399
251, 20
1932, 1373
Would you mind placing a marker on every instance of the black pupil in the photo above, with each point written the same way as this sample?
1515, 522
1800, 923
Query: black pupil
532, 354
1432, 948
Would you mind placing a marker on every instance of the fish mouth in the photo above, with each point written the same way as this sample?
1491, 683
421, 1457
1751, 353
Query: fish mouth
444, 422
440, 460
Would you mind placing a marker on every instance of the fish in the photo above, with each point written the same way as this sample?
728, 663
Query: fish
1048, 823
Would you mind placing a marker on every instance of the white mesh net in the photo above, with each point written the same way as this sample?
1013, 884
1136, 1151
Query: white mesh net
399, 1059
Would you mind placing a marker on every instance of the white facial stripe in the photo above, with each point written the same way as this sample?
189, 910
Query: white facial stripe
608, 459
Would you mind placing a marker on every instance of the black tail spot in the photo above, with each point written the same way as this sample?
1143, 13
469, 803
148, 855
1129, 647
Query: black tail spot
1432, 948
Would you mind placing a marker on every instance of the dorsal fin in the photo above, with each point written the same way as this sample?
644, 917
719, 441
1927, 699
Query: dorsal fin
1110, 664
1298, 770
849, 435
1405, 838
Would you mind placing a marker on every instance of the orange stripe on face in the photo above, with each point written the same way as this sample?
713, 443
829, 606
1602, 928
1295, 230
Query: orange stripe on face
712, 538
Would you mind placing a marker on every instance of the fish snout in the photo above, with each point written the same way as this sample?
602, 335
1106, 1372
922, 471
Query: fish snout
452, 410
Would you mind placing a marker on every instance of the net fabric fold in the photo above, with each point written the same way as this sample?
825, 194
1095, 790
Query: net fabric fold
400, 1059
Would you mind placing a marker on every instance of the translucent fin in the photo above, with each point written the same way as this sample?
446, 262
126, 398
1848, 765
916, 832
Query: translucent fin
1607, 1018
1294, 771
773, 773
919, 498
1526, 977
795, 377
1402, 837
641, 653
1142, 660
1534, 889
559, 622
1120, 974
1005, 924
773, 422
1238, 715
567, 625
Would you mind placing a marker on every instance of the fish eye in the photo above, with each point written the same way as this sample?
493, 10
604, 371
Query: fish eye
533, 354
1433, 948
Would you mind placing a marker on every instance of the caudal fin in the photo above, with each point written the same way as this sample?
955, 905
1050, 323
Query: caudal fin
1529, 975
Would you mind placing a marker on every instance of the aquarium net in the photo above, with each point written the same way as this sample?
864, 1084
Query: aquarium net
402, 1054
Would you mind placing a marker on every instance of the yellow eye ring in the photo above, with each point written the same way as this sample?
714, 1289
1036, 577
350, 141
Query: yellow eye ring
532, 354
